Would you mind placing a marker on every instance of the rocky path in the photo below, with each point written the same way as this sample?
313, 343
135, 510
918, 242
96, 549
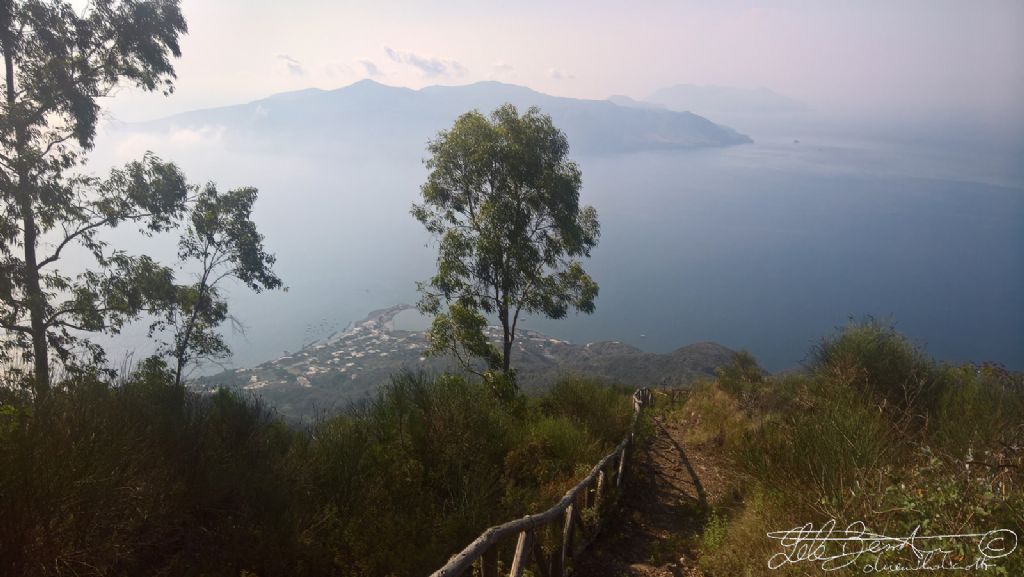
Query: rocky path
658, 526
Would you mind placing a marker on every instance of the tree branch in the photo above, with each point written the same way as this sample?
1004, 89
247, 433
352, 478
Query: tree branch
70, 237
16, 328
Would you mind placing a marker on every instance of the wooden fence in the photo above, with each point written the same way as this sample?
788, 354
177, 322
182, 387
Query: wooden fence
588, 495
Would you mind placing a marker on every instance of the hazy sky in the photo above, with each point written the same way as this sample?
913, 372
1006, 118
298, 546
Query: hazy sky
858, 57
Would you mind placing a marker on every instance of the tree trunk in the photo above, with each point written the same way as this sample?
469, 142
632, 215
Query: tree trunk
23, 195
506, 356
36, 305
181, 352
178, 370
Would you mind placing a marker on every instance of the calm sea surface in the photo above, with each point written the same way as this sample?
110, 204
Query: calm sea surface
766, 247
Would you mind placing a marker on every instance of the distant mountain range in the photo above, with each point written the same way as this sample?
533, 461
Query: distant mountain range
762, 112
370, 114
351, 366
623, 100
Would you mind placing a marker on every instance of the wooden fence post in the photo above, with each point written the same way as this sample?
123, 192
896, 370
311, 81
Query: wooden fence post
622, 464
523, 549
567, 533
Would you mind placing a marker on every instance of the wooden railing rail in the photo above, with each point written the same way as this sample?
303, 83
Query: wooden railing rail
590, 493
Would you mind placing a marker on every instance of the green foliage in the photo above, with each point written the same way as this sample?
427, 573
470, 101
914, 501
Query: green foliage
980, 406
874, 431
147, 478
502, 199
822, 448
715, 531
141, 479
602, 411
66, 58
740, 377
460, 332
880, 362
59, 61
222, 240
117, 288
547, 456
222, 232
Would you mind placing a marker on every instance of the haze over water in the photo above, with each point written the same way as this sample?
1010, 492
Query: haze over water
766, 246
896, 189
733, 245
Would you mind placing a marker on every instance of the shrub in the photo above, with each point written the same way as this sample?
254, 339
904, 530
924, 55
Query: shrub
879, 362
874, 431
980, 407
545, 463
604, 412
741, 376
143, 477
821, 446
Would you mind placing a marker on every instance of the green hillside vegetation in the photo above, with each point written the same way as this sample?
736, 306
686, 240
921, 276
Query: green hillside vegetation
142, 477
873, 431
145, 478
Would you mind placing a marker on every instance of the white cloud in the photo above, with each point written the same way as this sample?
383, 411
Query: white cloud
370, 68
293, 66
124, 145
209, 134
428, 66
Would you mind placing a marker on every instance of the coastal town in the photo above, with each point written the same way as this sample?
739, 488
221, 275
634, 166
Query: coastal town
350, 366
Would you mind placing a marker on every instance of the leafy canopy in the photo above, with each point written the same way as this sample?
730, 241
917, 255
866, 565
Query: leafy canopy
503, 200
58, 62
62, 61
222, 241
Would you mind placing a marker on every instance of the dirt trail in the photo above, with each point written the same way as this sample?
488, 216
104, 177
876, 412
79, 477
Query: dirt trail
658, 525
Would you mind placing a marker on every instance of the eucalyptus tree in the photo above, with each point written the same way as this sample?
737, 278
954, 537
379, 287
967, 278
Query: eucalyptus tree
221, 242
503, 200
58, 61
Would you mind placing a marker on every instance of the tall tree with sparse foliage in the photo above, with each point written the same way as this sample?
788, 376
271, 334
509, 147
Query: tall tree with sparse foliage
222, 241
503, 200
58, 61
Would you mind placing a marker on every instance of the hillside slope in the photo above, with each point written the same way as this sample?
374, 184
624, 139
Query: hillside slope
351, 366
